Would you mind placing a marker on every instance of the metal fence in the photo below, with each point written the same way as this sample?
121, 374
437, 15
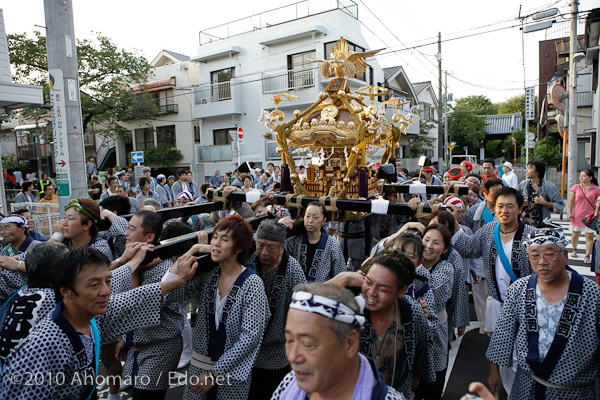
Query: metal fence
288, 80
213, 92
44, 216
291, 12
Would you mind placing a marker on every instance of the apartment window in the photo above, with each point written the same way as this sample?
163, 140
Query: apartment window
197, 134
165, 135
144, 139
300, 69
221, 136
426, 112
352, 47
221, 84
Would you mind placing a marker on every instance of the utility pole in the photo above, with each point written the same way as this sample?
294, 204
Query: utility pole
446, 142
69, 154
441, 145
572, 119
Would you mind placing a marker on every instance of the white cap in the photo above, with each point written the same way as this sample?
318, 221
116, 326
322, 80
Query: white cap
508, 165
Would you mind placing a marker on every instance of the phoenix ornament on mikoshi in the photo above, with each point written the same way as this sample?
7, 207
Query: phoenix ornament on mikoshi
344, 62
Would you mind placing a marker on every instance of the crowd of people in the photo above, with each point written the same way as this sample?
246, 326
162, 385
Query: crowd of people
283, 315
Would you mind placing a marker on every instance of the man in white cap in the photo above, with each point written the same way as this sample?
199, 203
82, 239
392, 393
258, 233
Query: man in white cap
161, 191
14, 230
123, 181
550, 320
510, 178
322, 344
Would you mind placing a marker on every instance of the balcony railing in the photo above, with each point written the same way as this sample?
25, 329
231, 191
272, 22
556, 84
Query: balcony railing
168, 109
277, 16
213, 153
213, 93
288, 80
30, 151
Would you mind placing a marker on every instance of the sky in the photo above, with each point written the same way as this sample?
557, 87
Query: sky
479, 62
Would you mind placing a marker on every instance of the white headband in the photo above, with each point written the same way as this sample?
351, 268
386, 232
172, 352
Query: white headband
14, 219
543, 236
185, 194
329, 308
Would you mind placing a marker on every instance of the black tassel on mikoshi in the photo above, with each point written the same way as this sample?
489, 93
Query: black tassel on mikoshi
363, 182
286, 183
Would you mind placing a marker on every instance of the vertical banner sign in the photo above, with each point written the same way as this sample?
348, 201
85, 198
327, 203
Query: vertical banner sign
59, 130
529, 104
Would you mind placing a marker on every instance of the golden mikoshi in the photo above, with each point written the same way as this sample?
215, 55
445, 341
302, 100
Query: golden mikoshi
337, 129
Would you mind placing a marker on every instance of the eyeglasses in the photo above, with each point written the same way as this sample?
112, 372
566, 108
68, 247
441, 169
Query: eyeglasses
7, 227
547, 256
134, 230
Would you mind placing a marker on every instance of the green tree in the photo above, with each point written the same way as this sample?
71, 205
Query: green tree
512, 105
477, 104
466, 129
106, 74
551, 154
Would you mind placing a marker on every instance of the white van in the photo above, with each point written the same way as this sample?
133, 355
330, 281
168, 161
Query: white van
456, 160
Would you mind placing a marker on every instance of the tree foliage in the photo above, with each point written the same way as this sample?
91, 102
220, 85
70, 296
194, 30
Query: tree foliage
476, 104
511, 105
551, 154
466, 128
105, 76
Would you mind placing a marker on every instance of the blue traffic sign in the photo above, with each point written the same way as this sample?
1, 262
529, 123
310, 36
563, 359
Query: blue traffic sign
466, 148
137, 156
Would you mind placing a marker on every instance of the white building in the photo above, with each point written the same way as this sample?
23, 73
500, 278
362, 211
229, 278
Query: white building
172, 79
428, 103
242, 64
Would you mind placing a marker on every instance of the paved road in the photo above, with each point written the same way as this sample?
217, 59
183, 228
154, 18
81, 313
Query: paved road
467, 361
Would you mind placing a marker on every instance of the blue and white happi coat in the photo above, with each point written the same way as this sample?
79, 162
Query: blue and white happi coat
482, 244
439, 278
327, 262
412, 355
279, 283
242, 326
573, 360
49, 352
160, 344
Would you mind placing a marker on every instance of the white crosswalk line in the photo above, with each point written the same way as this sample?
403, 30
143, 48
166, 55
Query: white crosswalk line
576, 263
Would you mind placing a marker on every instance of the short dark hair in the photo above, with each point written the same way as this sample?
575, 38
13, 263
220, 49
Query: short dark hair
111, 178
410, 238
142, 181
397, 263
203, 188
441, 229
72, 264
540, 167
151, 223
42, 263
491, 182
173, 230
26, 185
181, 172
22, 211
510, 192
241, 233
271, 164
445, 218
319, 205
489, 160
117, 204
